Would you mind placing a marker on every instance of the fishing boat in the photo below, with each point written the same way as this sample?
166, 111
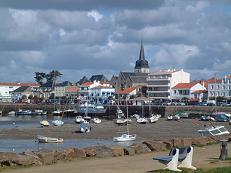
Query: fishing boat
85, 126
142, 120
214, 131
57, 122
44, 123
125, 137
57, 112
78, 119
44, 139
154, 118
173, 117
91, 108
23, 112
96, 120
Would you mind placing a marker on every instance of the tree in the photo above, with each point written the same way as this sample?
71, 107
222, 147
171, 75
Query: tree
39, 77
52, 76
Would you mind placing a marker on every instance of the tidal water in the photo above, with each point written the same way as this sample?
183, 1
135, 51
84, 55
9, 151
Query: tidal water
20, 145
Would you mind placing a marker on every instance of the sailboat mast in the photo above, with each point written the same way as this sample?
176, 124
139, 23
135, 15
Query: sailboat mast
127, 116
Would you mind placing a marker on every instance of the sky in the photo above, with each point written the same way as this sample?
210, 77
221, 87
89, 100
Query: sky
86, 37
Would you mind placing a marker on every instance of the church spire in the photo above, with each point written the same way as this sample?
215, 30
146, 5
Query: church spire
141, 57
141, 64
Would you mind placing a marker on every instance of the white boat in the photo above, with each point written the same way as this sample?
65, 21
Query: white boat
57, 122
11, 113
125, 138
57, 112
86, 117
214, 131
142, 120
40, 112
44, 139
173, 117
44, 123
78, 119
154, 118
96, 120
85, 127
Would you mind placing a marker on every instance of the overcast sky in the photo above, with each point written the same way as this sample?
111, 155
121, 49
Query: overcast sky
86, 37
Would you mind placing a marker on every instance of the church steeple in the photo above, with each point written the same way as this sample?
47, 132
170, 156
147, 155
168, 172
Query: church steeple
141, 64
141, 57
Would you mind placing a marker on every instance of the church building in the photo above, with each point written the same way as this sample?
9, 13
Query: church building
138, 78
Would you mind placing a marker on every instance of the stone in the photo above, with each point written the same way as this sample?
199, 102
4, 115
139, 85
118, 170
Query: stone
117, 151
103, 151
201, 141
90, 151
155, 145
47, 156
80, 153
7, 158
140, 148
129, 151
27, 160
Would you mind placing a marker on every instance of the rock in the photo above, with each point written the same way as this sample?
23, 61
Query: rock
181, 142
66, 154
80, 153
140, 148
13, 159
47, 156
117, 151
90, 151
103, 151
186, 142
129, 151
27, 160
155, 145
7, 158
201, 141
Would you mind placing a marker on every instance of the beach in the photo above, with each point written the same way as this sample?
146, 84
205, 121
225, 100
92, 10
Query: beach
204, 157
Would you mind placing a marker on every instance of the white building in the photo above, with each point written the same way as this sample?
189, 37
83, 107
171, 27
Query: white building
7, 87
160, 83
187, 90
220, 87
96, 91
101, 93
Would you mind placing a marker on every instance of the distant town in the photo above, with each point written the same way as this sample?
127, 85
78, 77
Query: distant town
163, 87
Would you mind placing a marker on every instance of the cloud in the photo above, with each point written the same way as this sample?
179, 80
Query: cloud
103, 37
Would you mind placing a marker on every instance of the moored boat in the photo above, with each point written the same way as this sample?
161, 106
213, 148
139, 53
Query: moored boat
44, 123
44, 139
57, 122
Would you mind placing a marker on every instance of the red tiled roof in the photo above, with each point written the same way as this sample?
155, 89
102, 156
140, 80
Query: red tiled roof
229, 76
184, 85
214, 80
126, 90
72, 89
199, 92
18, 84
87, 83
100, 86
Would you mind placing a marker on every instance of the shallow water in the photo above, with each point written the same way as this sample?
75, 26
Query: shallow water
13, 145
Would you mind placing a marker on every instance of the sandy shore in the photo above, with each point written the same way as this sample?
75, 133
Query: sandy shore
204, 157
163, 129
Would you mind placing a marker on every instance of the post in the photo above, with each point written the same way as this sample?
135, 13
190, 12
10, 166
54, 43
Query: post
224, 150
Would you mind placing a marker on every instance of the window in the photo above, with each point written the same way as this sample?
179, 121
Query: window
229, 87
211, 87
223, 87
218, 86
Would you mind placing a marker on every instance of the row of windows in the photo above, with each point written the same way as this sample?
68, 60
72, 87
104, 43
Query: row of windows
212, 87
182, 92
158, 88
219, 93
158, 82
159, 94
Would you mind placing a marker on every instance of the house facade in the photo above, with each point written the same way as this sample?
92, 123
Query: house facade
188, 91
6, 88
101, 93
220, 88
160, 83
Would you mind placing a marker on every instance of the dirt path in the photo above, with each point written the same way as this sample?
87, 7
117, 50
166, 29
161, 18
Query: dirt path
204, 157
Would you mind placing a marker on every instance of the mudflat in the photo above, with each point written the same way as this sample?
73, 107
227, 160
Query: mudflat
162, 129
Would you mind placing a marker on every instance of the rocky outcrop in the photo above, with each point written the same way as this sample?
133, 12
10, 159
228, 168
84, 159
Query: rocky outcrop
103, 151
90, 151
129, 151
117, 151
155, 145
140, 148
47, 156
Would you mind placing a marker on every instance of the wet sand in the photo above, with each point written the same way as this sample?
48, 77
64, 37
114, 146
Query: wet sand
163, 129
204, 157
